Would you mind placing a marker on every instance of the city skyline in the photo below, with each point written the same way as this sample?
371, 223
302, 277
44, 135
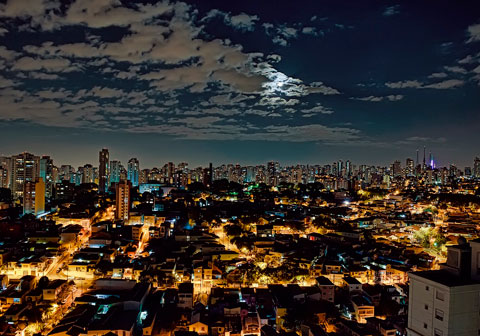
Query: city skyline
241, 82
125, 161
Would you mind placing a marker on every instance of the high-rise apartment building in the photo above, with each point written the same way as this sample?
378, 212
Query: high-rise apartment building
46, 172
445, 302
4, 177
272, 173
34, 197
5, 166
476, 167
103, 170
397, 168
144, 176
115, 171
23, 168
122, 211
409, 167
88, 175
28, 197
170, 170
67, 173
133, 171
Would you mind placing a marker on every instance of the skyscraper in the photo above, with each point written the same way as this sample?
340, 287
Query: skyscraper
409, 167
46, 173
476, 167
122, 211
103, 170
397, 168
115, 171
23, 168
133, 171
5, 167
339, 167
272, 171
468, 171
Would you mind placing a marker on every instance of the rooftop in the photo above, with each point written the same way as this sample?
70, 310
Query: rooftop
445, 278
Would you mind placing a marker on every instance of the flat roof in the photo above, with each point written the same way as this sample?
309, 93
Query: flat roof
445, 278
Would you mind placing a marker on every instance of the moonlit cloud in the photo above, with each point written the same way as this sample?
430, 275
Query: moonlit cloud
473, 33
391, 10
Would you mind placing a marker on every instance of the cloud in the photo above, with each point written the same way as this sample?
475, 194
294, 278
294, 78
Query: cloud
274, 58
228, 99
161, 72
44, 76
52, 64
438, 75
470, 59
311, 31
391, 10
446, 84
404, 84
213, 129
25, 9
280, 33
319, 87
8, 54
421, 139
318, 109
380, 98
6, 83
280, 83
473, 33
105, 92
280, 41
242, 21
48, 14
106, 13
456, 69
240, 81
277, 101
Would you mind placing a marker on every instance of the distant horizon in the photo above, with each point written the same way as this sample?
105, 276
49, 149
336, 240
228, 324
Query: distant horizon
124, 161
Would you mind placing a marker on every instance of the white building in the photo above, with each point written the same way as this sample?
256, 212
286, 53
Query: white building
446, 302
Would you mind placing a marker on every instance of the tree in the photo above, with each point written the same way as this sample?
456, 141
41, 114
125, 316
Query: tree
233, 230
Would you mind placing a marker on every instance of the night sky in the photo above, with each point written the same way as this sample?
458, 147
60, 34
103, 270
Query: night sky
240, 81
